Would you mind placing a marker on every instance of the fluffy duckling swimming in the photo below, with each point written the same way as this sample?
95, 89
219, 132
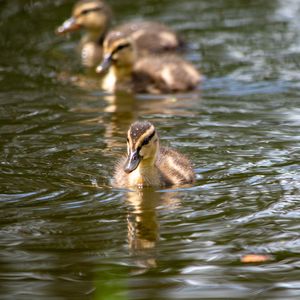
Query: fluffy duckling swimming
150, 74
148, 164
95, 17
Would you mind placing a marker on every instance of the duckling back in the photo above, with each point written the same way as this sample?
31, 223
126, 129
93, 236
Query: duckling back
164, 74
174, 167
150, 37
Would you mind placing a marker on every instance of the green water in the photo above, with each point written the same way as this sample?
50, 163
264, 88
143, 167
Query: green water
65, 233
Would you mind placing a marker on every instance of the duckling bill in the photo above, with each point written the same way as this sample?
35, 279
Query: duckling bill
148, 164
149, 74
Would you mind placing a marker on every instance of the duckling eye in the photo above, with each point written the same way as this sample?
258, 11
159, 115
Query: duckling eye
122, 46
147, 140
138, 149
85, 11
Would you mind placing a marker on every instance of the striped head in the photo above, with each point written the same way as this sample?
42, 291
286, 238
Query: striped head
142, 145
93, 15
118, 50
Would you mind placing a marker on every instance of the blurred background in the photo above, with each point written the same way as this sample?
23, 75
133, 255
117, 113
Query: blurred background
65, 233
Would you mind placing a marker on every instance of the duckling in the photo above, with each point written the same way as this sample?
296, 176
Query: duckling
95, 17
150, 74
148, 164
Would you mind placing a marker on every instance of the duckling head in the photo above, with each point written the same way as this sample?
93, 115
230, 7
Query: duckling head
142, 145
118, 50
93, 15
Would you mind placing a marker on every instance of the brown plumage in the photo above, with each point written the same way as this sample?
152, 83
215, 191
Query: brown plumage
94, 16
150, 37
150, 74
164, 74
148, 164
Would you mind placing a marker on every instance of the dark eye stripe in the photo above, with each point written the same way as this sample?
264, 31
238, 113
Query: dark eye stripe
120, 47
148, 139
86, 11
138, 149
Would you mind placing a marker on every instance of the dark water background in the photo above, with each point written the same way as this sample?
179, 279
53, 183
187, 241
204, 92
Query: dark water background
65, 233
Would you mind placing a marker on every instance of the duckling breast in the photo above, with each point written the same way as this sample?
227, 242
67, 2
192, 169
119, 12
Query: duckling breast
138, 178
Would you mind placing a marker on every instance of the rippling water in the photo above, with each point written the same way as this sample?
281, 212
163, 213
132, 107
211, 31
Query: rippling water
67, 234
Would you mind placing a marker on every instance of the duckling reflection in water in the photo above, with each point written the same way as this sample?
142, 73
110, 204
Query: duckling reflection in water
148, 164
95, 17
150, 74
143, 222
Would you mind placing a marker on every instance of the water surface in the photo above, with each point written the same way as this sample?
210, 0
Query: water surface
66, 233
